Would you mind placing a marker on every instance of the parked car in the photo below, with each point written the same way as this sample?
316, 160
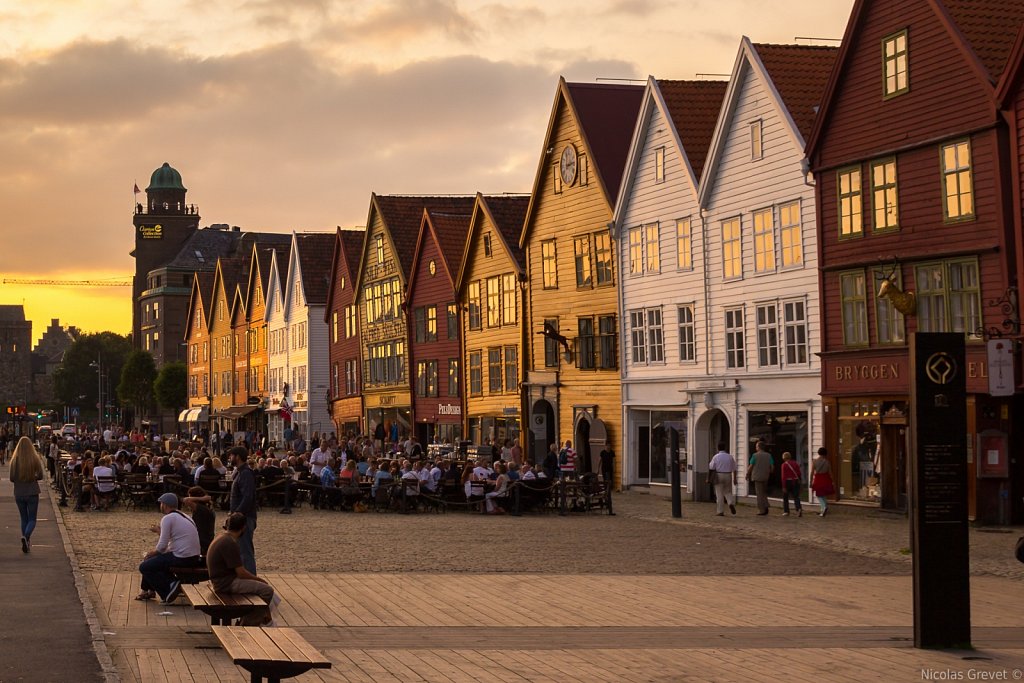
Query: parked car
69, 429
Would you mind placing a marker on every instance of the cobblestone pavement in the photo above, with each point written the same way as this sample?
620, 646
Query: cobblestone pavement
639, 540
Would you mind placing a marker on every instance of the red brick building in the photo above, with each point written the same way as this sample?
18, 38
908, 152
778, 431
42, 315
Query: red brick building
913, 186
433, 316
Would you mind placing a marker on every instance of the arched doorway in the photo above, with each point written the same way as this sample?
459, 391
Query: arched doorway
542, 430
712, 429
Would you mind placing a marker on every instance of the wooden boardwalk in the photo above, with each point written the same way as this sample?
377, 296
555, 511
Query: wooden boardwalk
512, 627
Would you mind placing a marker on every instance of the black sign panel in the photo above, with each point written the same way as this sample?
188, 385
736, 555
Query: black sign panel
942, 599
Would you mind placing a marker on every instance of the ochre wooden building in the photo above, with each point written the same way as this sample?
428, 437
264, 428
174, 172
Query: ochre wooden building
573, 384
490, 288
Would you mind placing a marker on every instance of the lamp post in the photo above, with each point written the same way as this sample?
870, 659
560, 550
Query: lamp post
99, 391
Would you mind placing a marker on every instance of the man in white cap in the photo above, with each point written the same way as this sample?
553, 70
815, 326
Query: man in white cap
178, 546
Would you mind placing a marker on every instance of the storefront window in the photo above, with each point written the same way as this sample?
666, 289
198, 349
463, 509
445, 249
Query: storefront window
859, 455
487, 428
781, 431
653, 443
395, 422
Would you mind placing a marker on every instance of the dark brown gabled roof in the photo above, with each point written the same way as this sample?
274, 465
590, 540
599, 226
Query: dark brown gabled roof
203, 288
352, 244
990, 28
316, 249
233, 271
607, 115
799, 73
402, 215
509, 212
694, 107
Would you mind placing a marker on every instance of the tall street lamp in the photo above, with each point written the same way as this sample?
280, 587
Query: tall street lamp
99, 391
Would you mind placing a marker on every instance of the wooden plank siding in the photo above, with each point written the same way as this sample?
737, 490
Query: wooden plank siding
432, 289
923, 234
477, 268
220, 339
944, 94
277, 354
256, 309
576, 211
240, 348
345, 406
198, 339
398, 394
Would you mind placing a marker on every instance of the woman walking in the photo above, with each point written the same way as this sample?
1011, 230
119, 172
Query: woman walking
822, 483
26, 471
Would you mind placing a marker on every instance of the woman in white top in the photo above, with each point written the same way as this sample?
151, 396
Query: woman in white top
500, 490
102, 490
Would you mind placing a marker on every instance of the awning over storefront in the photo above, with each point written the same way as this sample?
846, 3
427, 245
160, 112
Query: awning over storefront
200, 414
236, 412
183, 415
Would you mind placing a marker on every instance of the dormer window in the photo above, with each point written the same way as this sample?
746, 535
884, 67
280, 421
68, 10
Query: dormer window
894, 57
756, 141
487, 245
659, 165
380, 248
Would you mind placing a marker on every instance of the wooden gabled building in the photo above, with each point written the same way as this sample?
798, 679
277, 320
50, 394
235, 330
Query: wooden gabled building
223, 341
913, 187
342, 321
197, 341
492, 324
572, 328
434, 326
392, 228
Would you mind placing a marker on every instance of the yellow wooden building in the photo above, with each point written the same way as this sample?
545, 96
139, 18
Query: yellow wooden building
573, 389
490, 289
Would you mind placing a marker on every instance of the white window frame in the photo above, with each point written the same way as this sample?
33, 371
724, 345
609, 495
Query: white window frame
763, 222
732, 248
652, 248
636, 250
684, 244
791, 236
766, 321
756, 140
735, 342
659, 165
687, 333
795, 332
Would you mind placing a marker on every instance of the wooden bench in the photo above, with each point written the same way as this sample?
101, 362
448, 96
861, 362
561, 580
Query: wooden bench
191, 575
222, 607
269, 653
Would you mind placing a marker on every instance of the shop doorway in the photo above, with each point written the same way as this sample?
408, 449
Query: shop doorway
712, 428
542, 430
893, 460
582, 443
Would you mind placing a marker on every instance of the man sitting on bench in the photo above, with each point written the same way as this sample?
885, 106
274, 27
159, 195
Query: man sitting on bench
178, 546
224, 562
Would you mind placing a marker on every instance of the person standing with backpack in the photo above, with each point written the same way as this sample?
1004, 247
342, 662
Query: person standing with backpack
790, 484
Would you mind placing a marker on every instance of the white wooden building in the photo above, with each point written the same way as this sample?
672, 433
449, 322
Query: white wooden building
764, 379
658, 230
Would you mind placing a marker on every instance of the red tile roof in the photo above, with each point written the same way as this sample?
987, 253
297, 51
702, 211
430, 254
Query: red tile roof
607, 115
509, 212
990, 28
402, 215
800, 74
316, 249
694, 107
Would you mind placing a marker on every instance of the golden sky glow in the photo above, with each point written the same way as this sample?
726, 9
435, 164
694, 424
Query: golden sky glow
287, 115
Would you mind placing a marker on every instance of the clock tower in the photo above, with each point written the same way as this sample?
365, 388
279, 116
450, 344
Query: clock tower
162, 227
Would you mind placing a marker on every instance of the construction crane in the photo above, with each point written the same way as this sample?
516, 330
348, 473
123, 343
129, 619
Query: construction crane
112, 282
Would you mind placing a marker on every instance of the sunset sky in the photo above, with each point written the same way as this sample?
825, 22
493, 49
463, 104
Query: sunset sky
286, 115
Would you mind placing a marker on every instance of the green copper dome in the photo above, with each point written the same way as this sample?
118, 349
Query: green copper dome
165, 178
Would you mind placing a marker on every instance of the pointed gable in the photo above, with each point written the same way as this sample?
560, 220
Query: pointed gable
799, 74
606, 115
447, 231
348, 245
506, 213
201, 299
401, 216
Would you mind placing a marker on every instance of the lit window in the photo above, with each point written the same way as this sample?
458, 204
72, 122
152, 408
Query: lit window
764, 241
850, 201
549, 265
687, 336
636, 251
883, 194
732, 253
895, 69
790, 234
957, 186
508, 300
795, 320
652, 247
583, 262
756, 141
603, 257
949, 297
379, 244
684, 246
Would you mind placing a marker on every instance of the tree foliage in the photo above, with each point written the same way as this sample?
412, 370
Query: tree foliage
170, 386
137, 377
75, 381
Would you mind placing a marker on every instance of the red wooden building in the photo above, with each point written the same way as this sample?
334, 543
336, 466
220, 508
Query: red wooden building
433, 326
913, 185
342, 320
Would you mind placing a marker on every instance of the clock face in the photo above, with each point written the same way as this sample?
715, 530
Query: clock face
568, 165
432, 267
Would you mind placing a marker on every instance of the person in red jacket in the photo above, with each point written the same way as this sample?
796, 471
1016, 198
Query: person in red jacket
790, 474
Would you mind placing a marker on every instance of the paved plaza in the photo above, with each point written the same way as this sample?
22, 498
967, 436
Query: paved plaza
635, 597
